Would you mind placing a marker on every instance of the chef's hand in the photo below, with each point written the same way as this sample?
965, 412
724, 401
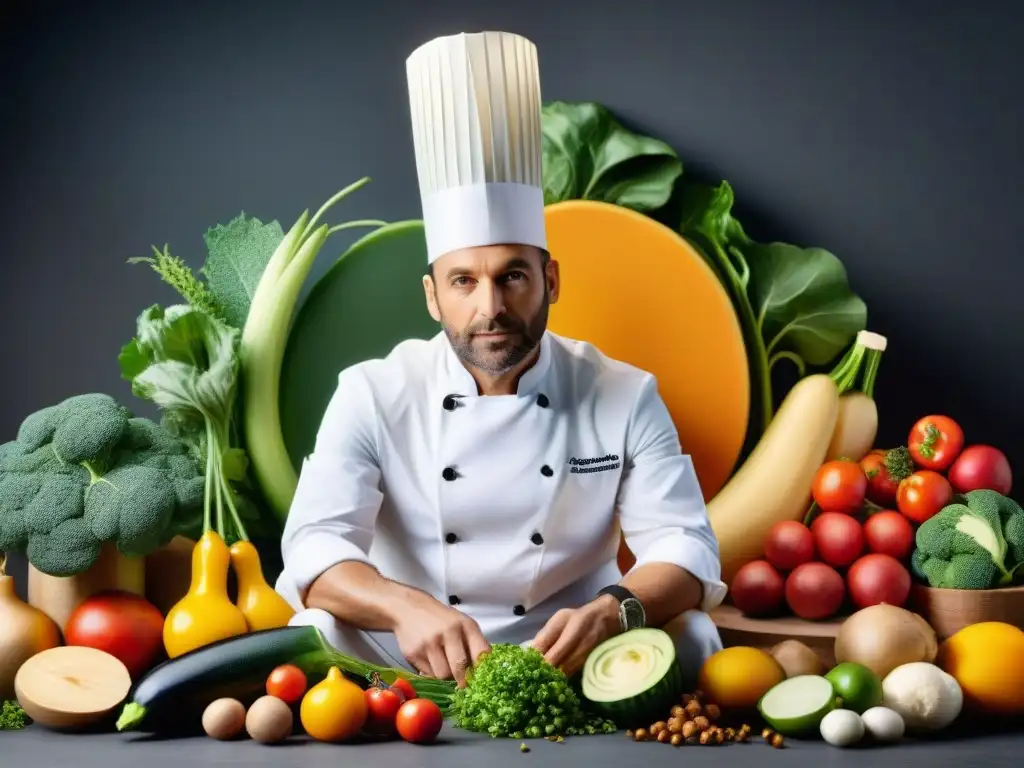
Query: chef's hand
440, 641
571, 634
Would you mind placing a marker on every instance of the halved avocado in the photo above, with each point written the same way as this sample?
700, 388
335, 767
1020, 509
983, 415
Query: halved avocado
634, 678
796, 706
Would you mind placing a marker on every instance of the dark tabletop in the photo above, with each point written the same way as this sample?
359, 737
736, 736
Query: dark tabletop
34, 747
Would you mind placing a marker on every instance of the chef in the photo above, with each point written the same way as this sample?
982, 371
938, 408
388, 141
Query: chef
471, 489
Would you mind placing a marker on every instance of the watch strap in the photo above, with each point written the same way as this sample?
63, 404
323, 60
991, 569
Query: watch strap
617, 591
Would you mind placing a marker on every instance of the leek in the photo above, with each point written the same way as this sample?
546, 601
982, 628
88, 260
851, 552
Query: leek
263, 344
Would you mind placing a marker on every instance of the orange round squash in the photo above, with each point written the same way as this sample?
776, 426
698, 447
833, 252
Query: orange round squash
642, 294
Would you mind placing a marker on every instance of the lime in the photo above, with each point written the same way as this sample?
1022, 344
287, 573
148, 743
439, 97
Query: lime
858, 687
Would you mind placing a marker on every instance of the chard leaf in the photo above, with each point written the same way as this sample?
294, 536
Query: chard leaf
237, 255
186, 362
588, 155
804, 307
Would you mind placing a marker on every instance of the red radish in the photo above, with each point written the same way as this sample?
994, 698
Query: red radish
981, 466
838, 538
789, 544
757, 589
815, 591
876, 579
889, 533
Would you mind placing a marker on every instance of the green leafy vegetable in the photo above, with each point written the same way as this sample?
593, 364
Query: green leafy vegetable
264, 339
588, 155
794, 303
186, 362
514, 692
237, 255
12, 717
84, 472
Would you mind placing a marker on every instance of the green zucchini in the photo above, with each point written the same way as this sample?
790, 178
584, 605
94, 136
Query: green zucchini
175, 693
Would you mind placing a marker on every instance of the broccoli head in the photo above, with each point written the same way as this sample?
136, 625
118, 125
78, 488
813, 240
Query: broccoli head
975, 543
85, 472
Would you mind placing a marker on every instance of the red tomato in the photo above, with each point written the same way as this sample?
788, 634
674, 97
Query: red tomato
922, 495
419, 721
757, 589
287, 683
889, 533
405, 688
935, 442
789, 544
876, 579
124, 625
981, 466
815, 591
878, 467
382, 707
838, 538
839, 486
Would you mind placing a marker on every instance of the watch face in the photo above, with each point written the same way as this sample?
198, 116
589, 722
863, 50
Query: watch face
632, 613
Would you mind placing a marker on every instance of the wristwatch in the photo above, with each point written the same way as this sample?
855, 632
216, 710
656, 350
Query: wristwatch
631, 612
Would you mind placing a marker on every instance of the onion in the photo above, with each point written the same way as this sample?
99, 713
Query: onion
882, 637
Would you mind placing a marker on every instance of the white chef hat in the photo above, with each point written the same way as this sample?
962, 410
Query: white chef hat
475, 107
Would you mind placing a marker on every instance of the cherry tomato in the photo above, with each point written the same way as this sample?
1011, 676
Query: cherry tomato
840, 486
789, 543
382, 707
981, 466
922, 495
838, 538
405, 688
419, 721
287, 683
889, 533
935, 442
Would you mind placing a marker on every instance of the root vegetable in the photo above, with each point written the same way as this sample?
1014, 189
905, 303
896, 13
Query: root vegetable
797, 659
927, 698
758, 589
857, 420
71, 687
882, 637
24, 632
224, 719
815, 591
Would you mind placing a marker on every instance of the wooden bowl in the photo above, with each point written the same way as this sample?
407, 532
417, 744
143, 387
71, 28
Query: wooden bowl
950, 610
737, 629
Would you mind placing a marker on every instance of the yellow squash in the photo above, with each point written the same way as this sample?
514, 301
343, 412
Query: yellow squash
261, 605
205, 614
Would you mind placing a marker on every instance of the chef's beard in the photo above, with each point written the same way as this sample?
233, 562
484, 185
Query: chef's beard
498, 356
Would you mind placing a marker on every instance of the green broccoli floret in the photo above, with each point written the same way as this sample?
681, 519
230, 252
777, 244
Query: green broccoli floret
975, 543
85, 472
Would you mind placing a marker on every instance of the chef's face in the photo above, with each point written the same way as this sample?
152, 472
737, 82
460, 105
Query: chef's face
493, 303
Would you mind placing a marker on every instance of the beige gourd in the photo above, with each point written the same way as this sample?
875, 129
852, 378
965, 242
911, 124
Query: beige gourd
24, 632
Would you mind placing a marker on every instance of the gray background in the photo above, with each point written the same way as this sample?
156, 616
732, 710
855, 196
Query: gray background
888, 132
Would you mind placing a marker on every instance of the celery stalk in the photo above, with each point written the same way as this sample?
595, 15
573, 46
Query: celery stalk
264, 340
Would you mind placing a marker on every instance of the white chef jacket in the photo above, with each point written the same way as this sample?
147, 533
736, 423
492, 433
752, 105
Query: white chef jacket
508, 507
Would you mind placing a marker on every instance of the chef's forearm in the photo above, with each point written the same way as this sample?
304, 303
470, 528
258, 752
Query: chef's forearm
355, 593
665, 591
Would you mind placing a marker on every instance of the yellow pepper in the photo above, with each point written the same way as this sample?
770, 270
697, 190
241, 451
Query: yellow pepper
205, 614
260, 603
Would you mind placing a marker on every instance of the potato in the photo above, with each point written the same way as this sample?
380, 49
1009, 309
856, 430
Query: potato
269, 720
224, 719
797, 659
